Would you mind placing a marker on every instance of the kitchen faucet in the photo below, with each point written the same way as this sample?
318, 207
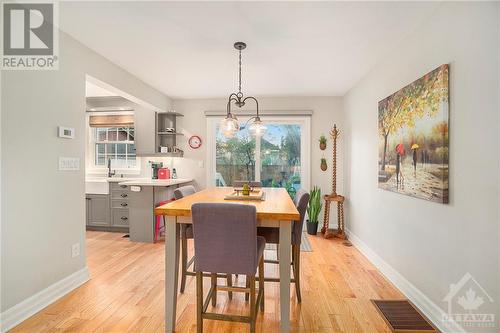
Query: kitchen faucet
110, 173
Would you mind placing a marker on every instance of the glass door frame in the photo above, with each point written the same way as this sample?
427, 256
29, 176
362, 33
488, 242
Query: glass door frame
304, 121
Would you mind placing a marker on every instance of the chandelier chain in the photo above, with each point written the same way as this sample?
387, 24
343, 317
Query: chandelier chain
240, 74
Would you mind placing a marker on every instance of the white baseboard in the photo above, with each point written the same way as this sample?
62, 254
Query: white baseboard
422, 302
25, 309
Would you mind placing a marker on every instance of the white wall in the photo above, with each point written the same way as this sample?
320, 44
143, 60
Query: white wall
44, 209
433, 245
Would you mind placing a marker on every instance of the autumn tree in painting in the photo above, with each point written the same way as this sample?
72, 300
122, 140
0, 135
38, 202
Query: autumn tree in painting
416, 100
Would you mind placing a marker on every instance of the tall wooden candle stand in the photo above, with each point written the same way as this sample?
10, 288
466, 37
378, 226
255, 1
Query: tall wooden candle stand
334, 197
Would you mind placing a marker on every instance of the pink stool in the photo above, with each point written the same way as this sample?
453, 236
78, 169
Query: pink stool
158, 220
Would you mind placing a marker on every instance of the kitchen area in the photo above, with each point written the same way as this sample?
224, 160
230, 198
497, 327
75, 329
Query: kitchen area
130, 162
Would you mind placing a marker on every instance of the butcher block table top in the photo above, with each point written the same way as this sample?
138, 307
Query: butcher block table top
277, 204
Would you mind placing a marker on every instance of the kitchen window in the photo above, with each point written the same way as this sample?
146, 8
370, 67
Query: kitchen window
279, 158
116, 144
111, 137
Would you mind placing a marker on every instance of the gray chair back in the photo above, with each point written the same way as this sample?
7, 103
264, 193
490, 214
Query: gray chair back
184, 191
252, 183
301, 200
225, 238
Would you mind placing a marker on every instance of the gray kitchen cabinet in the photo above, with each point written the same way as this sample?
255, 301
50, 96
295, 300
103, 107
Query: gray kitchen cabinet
153, 130
145, 131
108, 212
97, 210
119, 205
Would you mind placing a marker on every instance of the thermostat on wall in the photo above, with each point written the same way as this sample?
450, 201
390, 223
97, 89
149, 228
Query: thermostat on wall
66, 132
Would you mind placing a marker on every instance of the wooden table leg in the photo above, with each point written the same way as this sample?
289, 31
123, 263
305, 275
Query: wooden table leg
284, 268
172, 236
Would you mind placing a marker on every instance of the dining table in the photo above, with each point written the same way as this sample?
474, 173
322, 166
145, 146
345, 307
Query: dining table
275, 209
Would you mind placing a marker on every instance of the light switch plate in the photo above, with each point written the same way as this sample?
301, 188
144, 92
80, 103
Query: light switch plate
69, 163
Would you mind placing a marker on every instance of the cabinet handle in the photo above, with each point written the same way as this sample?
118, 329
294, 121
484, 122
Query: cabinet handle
123, 204
124, 218
123, 195
123, 186
88, 199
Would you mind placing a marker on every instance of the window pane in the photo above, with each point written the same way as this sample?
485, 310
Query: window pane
130, 149
121, 148
100, 160
101, 134
121, 161
110, 148
131, 134
99, 148
280, 157
122, 134
112, 134
235, 158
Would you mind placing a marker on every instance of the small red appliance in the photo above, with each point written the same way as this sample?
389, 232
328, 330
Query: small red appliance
164, 173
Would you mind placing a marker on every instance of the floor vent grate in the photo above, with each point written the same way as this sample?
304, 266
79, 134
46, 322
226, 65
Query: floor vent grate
402, 316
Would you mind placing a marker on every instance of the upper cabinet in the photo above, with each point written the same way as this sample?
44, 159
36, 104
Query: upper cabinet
145, 129
156, 133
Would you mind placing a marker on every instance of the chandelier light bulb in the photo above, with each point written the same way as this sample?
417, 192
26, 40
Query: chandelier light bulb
257, 128
229, 126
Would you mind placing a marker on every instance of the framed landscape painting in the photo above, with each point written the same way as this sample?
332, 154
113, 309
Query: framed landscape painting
413, 131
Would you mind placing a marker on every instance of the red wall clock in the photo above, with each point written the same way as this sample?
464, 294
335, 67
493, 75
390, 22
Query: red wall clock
194, 142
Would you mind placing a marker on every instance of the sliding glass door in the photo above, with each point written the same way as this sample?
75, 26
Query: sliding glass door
280, 158
234, 157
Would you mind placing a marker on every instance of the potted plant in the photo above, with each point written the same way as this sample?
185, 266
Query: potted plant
322, 142
313, 210
323, 164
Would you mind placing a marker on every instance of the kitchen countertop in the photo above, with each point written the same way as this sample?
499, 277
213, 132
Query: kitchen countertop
155, 182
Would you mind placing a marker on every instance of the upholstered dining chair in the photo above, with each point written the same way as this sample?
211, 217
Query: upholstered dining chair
272, 236
226, 241
186, 233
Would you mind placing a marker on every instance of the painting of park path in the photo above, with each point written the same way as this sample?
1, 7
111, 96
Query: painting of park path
414, 141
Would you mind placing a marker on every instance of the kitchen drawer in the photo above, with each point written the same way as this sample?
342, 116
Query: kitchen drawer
120, 217
119, 194
119, 203
116, 186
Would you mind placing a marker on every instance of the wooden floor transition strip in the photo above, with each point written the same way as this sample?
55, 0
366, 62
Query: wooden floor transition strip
403, 316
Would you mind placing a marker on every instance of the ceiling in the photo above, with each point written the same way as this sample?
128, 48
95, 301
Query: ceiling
185, 49
92, 90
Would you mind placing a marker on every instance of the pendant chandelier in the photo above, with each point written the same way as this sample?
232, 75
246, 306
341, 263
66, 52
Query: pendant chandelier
230, 125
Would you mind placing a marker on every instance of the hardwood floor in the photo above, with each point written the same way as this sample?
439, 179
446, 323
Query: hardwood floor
126, 293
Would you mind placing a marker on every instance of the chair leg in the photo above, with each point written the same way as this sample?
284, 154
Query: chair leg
229, 279
214, 286
261, 282
252, 303
296, 271
184, 260
247, 284
199, 302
